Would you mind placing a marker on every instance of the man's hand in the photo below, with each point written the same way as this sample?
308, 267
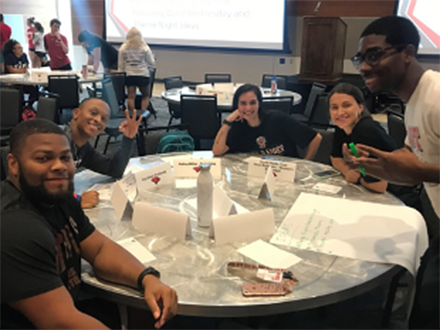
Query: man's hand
400, 166
89, 199
352, 176
130, 126
157, 292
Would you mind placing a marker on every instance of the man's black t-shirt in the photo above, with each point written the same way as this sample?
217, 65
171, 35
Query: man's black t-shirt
278, 134
21, 62
109, 54
40, 250
370, 132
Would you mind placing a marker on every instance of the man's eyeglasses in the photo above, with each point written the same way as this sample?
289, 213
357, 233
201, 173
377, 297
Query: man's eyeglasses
373, 56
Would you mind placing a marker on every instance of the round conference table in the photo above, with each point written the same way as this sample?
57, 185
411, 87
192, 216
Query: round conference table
173, 96
26, 79
196, 268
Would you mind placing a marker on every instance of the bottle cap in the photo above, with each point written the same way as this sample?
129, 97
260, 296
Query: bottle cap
205, 166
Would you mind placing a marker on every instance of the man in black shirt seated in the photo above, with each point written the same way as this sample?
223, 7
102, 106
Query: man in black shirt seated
89, 120
44, 235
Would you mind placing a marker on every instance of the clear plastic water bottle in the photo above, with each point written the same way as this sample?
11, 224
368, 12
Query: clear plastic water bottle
204, 196
273, 85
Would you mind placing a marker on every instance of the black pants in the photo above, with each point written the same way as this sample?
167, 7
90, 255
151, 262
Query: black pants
67, 67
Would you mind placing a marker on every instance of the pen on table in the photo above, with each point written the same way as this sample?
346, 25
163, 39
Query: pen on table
356, 154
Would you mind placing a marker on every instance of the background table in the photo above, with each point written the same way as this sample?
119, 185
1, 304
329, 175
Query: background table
24, 79
196, 268
173, 96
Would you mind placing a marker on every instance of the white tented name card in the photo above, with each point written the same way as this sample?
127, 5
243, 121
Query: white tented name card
269, 255
284, 171
128, 184
222, 205
268, 188
190, 168
133, 246
120, 201
243, 227
155, 176
151, 219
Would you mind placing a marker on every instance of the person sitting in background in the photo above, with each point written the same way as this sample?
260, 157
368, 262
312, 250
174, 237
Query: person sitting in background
354, 124
99, 50
89, 120
56, 46
45, 234
5, 35
250, 129
16, 61
134, 58
38, 40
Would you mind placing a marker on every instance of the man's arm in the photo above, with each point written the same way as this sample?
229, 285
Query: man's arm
313, 147
113, 263
55, 310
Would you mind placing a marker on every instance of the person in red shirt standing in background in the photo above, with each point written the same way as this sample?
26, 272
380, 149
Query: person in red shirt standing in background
29, 35
5, 35
56, 46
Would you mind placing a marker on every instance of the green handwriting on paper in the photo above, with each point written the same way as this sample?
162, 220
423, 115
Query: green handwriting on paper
314, 233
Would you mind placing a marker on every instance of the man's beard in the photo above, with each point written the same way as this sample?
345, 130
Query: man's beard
39, 194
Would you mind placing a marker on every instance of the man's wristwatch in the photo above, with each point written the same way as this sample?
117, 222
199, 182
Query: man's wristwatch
227, 122
145, 272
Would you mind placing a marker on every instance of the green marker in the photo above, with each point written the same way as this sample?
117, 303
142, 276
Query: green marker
356, 154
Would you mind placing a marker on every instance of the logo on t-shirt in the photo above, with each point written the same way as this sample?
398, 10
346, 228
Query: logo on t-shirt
414, 139
261, 141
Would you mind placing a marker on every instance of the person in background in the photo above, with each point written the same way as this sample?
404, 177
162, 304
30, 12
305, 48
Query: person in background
29, 36
99, 50
56, 46
45, 234
250, 129
134, 58
38, 40
16, 61
89, 120
354, 124
5, 35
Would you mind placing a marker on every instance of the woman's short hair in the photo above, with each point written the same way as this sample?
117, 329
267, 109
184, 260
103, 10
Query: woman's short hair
349, 89
245, 89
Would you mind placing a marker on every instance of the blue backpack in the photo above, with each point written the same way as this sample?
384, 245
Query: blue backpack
175, 142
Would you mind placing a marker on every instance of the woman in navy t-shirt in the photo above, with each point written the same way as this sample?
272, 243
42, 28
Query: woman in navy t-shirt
16, 61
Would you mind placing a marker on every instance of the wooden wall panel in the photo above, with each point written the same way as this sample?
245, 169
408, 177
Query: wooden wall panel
87, 14
345, 8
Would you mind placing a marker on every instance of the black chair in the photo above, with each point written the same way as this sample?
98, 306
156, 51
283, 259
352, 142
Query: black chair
211, 78
174, 109
201, 116
10, 111
118, 80
325, 147
266, 81
67, 87
138, 99
317, 88
47, 107
396, 127
320, 117
282, 103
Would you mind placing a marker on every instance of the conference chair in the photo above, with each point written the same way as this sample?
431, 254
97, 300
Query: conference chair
281, 103
320, 116
211, 78
267, 80
67, 87
174, 109
201, 116
47, 107
10, 111
118, 80
396, 127
316, 89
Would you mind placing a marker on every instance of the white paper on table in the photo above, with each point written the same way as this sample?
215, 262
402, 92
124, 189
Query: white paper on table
238, 207
268, 255
128, 184
151, 219
185, 183
154, 177
284, 171
243, 227
189, 168
327, 188
222, 204
360, 230
104, 190
268, 188
133, 246
120, 201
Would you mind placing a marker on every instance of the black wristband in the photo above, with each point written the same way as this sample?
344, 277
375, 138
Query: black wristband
145, 272
227, 122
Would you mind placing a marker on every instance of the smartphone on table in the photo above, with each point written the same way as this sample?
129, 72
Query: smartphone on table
326, 174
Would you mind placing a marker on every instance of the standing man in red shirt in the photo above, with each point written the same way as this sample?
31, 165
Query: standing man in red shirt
5, 35
56, 46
